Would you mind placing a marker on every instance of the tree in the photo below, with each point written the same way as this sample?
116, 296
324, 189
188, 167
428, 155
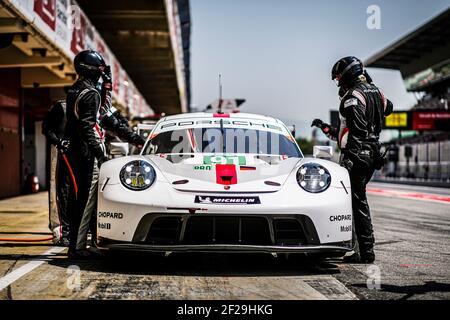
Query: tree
306, 145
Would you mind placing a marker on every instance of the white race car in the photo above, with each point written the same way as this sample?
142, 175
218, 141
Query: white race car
224, 182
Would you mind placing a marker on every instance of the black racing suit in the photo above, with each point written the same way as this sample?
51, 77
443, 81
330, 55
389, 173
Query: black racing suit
53, 128
110, 119
86, 146
88, 111
362, 110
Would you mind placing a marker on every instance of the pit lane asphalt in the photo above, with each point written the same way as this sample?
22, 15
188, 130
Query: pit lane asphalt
413, 255
412, 247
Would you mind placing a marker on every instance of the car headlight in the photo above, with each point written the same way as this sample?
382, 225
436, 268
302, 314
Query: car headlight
137, 175
313, 177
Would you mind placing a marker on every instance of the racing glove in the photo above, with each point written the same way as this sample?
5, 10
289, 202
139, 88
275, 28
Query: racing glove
138, 141
317, 123
347, 164
63, 145
325, 127
123, 121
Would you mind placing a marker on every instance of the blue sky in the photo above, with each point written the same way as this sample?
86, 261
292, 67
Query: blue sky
278, 54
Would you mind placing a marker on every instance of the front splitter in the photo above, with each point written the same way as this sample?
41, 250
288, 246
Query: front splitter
222, 248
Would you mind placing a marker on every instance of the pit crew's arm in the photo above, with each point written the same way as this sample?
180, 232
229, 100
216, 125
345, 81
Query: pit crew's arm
331, 132
353, 110
121, 118
111, 123
389, 108
52, 121
87, 110
110, 117
387, 104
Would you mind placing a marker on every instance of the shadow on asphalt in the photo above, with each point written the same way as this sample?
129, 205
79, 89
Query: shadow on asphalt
203, 264
410, 291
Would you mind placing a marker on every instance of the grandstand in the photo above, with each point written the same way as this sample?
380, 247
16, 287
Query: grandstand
430, 102
423, 58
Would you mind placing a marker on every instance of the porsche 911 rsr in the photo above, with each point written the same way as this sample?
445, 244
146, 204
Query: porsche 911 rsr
225, 183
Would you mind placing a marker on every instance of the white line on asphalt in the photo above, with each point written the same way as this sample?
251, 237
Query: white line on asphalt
30, 266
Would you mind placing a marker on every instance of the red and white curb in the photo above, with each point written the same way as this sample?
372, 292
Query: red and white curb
409, 195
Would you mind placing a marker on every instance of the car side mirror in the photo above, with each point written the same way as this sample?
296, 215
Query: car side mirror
323, 152
119, 149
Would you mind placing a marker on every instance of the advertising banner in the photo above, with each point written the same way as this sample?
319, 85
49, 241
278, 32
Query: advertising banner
400, 120
67, 27
431, 120
46, 10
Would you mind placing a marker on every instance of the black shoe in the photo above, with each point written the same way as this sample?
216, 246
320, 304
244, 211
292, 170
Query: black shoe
368, 257
76, 254
83, 254
354, 258
94, 251
63, 242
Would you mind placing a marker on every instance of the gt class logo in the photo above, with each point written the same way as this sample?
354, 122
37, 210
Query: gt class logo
226, 200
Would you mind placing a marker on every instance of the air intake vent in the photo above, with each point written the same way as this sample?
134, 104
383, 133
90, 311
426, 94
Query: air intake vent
227, 230
164, 231
288, 232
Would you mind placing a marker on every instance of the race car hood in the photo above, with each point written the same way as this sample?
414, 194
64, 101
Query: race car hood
216, 173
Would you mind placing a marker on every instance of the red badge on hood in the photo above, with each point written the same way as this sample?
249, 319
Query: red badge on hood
226, 174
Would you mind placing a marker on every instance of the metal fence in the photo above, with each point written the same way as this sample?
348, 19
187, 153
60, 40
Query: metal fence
429, 161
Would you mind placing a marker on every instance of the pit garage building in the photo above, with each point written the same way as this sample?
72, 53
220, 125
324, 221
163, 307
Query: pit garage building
423, 58
146, 42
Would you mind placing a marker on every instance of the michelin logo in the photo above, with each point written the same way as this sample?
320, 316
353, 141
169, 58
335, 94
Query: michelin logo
226, 200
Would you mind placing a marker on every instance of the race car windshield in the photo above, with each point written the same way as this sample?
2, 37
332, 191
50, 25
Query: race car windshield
222, 140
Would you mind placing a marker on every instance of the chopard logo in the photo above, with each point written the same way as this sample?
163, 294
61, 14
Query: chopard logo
226, 200
110, 215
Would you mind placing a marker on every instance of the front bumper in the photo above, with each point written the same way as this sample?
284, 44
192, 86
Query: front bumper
159, 232
332, 250
135, 208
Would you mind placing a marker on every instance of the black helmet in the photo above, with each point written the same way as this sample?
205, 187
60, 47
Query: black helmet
346, 71
89, 64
